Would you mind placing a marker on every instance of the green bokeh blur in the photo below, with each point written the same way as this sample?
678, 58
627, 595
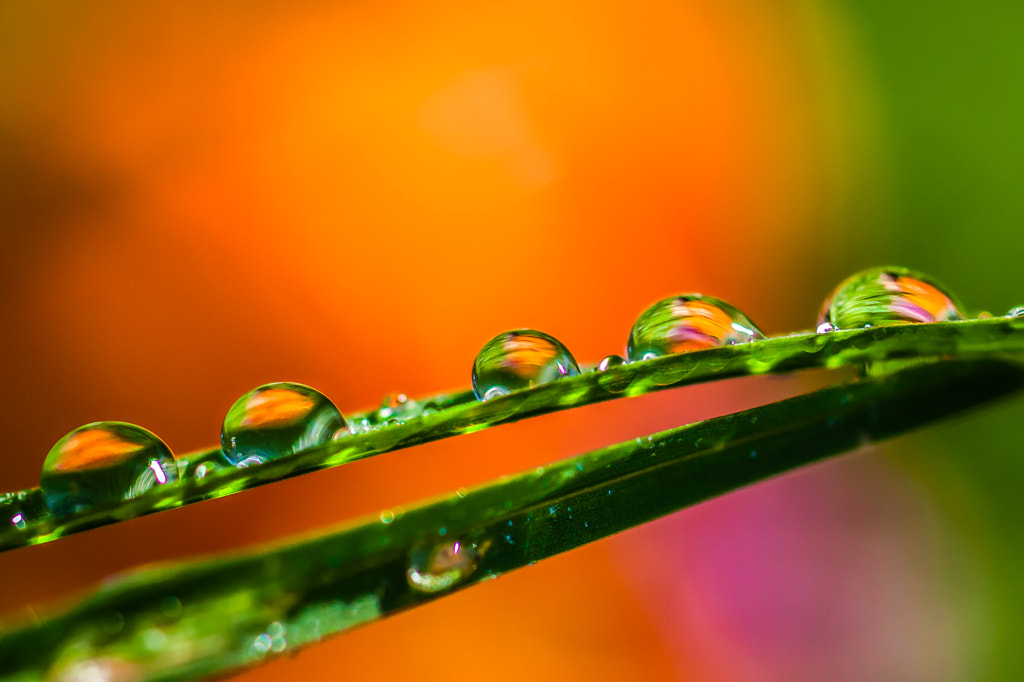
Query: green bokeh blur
947, 107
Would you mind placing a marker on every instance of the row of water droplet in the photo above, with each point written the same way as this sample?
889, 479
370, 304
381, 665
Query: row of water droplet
101, 464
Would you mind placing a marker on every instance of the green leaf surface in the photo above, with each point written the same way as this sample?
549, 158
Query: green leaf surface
455, 414
218, 616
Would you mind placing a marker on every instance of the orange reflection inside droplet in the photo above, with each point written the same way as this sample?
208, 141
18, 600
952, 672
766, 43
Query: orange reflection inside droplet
276, 407
920, 300
526, 353
702, 325
93, 449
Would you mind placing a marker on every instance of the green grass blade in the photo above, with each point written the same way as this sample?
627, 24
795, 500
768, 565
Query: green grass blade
461, 413
217, 616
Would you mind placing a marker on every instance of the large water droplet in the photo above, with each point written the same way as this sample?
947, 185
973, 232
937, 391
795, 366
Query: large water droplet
443, 566
101, 464
686, 323
276, 420
882, 296
520, 359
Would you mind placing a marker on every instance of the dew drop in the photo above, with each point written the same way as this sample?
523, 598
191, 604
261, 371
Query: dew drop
103, 463
443, 566
825, 328
171, 607
686, 323
277, 420
1016, 312
520, 359
261, 644
610, 361
397, 406
18, 521
387, 516
891, 295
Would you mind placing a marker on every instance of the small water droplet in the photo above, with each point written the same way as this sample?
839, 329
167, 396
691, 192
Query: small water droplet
398, 406
891, 295
101, 464
18, 521
171, 607
1016, 312
610, 361
686, 323
520, 359
277, 420
276, 632
443, 566
154, 639
461, 493
262, 643
112, 623
387, 516
825, 328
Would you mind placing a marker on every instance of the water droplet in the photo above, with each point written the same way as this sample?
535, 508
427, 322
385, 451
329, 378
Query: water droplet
362, 426
262, 643
1016, 312
686, 323
112, 623
881, 296
520, 359
461, 493
443, 566
154, 639
610, 361
825, 328
171, 607
398, 407
277, 420
387, 516
101, 464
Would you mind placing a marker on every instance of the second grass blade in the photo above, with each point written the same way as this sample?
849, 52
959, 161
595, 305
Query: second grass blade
216, 616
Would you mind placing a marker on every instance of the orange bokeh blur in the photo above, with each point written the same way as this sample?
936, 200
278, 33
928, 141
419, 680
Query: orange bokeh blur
201, 199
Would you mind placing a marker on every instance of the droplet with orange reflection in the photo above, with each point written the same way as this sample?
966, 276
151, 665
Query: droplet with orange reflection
276, 420
444, 565
890, 295
520, 359
102, 464
686, 323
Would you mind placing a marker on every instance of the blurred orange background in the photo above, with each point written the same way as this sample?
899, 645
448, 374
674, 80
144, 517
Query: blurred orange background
200, 198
